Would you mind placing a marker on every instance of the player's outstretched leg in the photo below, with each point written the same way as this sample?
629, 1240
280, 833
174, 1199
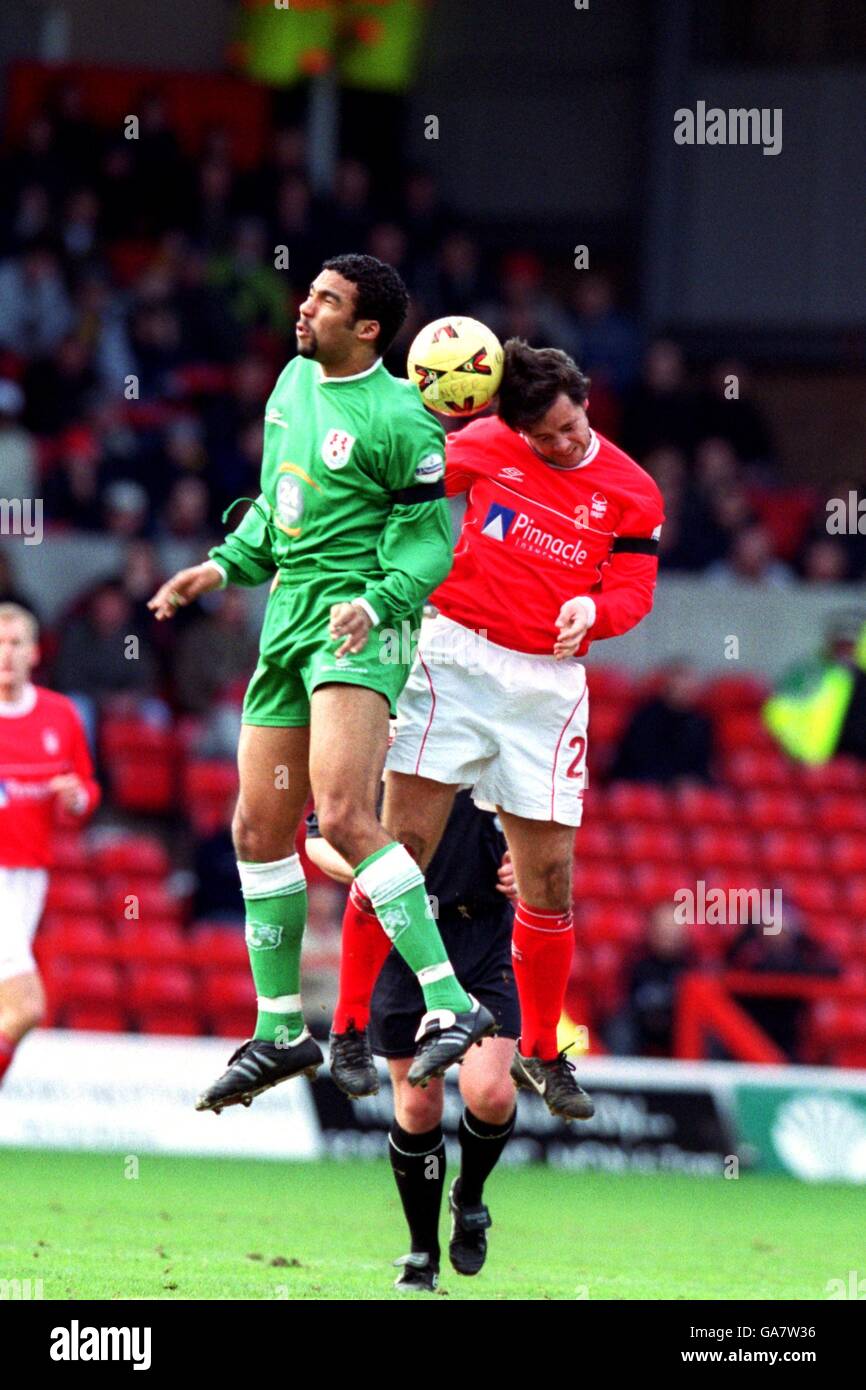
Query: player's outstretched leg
363, 950
486, 1126
454, 1020
416, 1149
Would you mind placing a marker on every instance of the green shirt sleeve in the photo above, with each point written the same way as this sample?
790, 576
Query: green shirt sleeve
246, 554
416, 546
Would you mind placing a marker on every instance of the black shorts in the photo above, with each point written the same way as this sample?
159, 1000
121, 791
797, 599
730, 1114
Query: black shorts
480, 951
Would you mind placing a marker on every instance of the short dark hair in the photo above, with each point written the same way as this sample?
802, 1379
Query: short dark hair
380, 293
532, 378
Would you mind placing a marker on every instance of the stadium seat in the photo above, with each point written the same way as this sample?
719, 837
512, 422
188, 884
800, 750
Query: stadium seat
73, 895
811, 892
599, 881
854, 898
96, 1018
142, 783
611, 684
218, 945
611, 923
738, 728
840, 811
595, 840
751, 768
152, 987
644, 843
656, 883
141, 855
734, 693
839, 775
848, 854
717, 806
152, 942
775, 810
88, 984
607, 721
172, 1021
789, 850
70, 852
226, 990
723, 848
637, 801
129, 898
76, 939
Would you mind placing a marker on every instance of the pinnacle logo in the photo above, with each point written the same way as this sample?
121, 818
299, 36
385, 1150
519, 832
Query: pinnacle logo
498, 522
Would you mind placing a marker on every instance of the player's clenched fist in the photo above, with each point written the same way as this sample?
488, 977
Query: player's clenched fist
573, 623
183, 588
352, 622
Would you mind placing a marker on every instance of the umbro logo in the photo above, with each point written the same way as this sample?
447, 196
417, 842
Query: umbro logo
273, 416
514, 475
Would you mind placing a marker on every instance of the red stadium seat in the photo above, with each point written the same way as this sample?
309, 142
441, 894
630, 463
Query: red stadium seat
218, 946
73, 895
694, 806
160, 987
723, 848
848, 854
853, 892
76, 939
128, 898
657, 883
595, 840
175, 1022
148, 942
141, 783
840, 811
637, 801
738, 728
840, 775
226, 990
141, 855
811, 892
641, 844
71, 852
734, 693
607, 721
789, 850
90, 984
611, 683
609, 923
775, 810
96, 1018
599, 881
760, 767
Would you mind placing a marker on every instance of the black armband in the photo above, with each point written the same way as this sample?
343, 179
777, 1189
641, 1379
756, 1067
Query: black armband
635, 545
419, 492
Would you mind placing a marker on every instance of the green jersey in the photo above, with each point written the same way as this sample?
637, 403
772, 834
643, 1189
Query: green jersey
351, 485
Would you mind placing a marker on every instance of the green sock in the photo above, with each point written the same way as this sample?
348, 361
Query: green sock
275, 895
395, 886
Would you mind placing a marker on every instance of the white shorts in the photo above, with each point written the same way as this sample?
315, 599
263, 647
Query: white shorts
22, 897
507, 724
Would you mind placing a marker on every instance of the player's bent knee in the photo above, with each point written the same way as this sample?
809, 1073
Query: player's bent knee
417, 1110
345, 825
492, 1101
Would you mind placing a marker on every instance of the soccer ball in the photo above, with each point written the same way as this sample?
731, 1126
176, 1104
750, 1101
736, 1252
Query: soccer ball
456, 364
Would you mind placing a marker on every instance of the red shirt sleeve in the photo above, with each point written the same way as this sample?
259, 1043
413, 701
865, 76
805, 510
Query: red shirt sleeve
625, 593
82, 765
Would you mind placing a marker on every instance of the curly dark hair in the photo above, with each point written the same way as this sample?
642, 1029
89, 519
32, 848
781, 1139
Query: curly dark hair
380, 293
532, 378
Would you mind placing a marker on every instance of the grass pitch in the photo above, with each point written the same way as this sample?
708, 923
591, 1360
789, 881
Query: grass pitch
188, 1228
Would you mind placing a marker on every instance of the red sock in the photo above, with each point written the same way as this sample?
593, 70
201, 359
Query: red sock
362, 956
7, 1052
542, 947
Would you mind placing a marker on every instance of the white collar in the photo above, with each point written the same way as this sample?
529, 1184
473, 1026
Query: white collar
26, 702
338, 380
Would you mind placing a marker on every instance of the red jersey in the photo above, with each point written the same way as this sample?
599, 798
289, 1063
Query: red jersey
535, 536
40, 738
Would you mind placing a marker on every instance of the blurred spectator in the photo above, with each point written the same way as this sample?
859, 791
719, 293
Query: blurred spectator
850, 539
60, 388
787, 952
525, 309
35, 313
292, 226
18, 466
9, 590
105, 661
662, 408
215, 653
255, 292
72, 490
818, 709
102, 329
125, 509
217, 888
727, 411
343, 222
668, 739
751, 560
825, 562
645, 1025
609, 340
186, 513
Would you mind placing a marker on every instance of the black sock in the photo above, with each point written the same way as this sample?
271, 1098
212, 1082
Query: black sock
418, 1161
480, 1147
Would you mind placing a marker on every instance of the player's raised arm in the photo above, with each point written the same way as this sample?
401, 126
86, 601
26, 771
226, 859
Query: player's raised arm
628, 579
244, 557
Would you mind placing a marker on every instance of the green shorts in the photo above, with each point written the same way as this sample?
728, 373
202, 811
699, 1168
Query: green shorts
296, 654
